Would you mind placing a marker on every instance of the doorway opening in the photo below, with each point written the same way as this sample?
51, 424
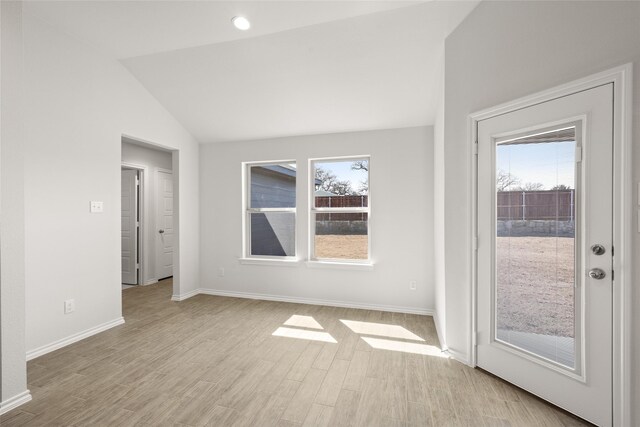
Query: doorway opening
148, 229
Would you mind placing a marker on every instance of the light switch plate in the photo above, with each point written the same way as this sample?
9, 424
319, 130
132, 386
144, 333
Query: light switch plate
97, 207
69, 306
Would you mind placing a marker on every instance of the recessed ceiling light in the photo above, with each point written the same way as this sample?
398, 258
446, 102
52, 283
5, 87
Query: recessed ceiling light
241, 23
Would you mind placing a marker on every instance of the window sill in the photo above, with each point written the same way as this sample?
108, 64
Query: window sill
274, 262
362, 266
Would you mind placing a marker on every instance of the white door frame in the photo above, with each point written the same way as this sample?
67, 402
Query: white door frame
175, 155
142, 209
621, 77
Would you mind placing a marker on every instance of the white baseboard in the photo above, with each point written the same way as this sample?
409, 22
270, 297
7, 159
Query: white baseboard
312, 301
186, 295
460, 357
37, 352
150, 282
15, 401
439, 331
456, 355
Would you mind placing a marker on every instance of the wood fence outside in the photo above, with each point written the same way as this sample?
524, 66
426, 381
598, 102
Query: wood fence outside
341, 202
536, 205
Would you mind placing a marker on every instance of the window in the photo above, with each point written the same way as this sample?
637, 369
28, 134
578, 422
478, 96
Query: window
270, 220
340, 210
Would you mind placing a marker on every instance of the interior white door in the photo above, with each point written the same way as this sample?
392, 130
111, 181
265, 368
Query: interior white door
128, 224
544, 297
164, 222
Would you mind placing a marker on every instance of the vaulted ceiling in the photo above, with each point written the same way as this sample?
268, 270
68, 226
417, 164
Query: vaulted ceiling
304, 67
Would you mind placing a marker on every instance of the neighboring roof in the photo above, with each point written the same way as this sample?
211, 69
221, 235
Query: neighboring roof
281, 169
288, 171
323, 193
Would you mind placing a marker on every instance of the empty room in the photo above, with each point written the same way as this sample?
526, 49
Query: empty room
319, 213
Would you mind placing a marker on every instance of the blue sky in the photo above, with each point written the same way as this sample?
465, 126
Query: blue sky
547, 163
342, 169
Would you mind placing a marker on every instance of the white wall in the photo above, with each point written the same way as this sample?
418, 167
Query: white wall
78, 104
12, 295
506, 50
152, 159
401, 179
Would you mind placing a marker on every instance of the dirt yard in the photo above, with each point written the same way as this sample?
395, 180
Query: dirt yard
342, 247
535, 279
536, 285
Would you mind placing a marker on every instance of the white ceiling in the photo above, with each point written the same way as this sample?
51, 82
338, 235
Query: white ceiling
133, 28
304, 67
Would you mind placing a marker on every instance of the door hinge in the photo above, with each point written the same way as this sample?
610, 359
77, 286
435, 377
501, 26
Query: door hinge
475, 243
137, 266
578, 154
475, 148
613, 276
474, 339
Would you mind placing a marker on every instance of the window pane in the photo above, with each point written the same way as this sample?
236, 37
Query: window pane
342, 236
535, 245
273, 186
342, 183
273, 233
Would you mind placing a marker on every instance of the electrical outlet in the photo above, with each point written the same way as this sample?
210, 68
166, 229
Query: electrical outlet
221, 272
96, 207
69, 306
412, 285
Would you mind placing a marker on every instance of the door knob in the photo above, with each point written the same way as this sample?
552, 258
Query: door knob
161, 231
597, 273
598, 249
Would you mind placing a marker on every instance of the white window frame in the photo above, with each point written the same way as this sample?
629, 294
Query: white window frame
313, 211
247, 210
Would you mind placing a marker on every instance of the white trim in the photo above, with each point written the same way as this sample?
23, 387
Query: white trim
623, 213
142, 210
310, 301
15, 401
459, 356
150, 282
621, 77
314, 301
312, 210
158, 169
337, 265
439, 331
175, 171
275, 262
246, 209
40, 351
186, 295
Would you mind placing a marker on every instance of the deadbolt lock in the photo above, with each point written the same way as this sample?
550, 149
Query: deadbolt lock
598, 249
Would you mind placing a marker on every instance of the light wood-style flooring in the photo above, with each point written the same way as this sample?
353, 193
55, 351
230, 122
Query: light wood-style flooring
216, 361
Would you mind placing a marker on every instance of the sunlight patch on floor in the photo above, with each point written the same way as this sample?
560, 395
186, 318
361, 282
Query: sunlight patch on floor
304, 335
380, 329
303, 322
405, 347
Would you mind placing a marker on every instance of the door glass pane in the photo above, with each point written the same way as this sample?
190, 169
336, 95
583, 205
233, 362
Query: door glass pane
341, 236
535, 297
